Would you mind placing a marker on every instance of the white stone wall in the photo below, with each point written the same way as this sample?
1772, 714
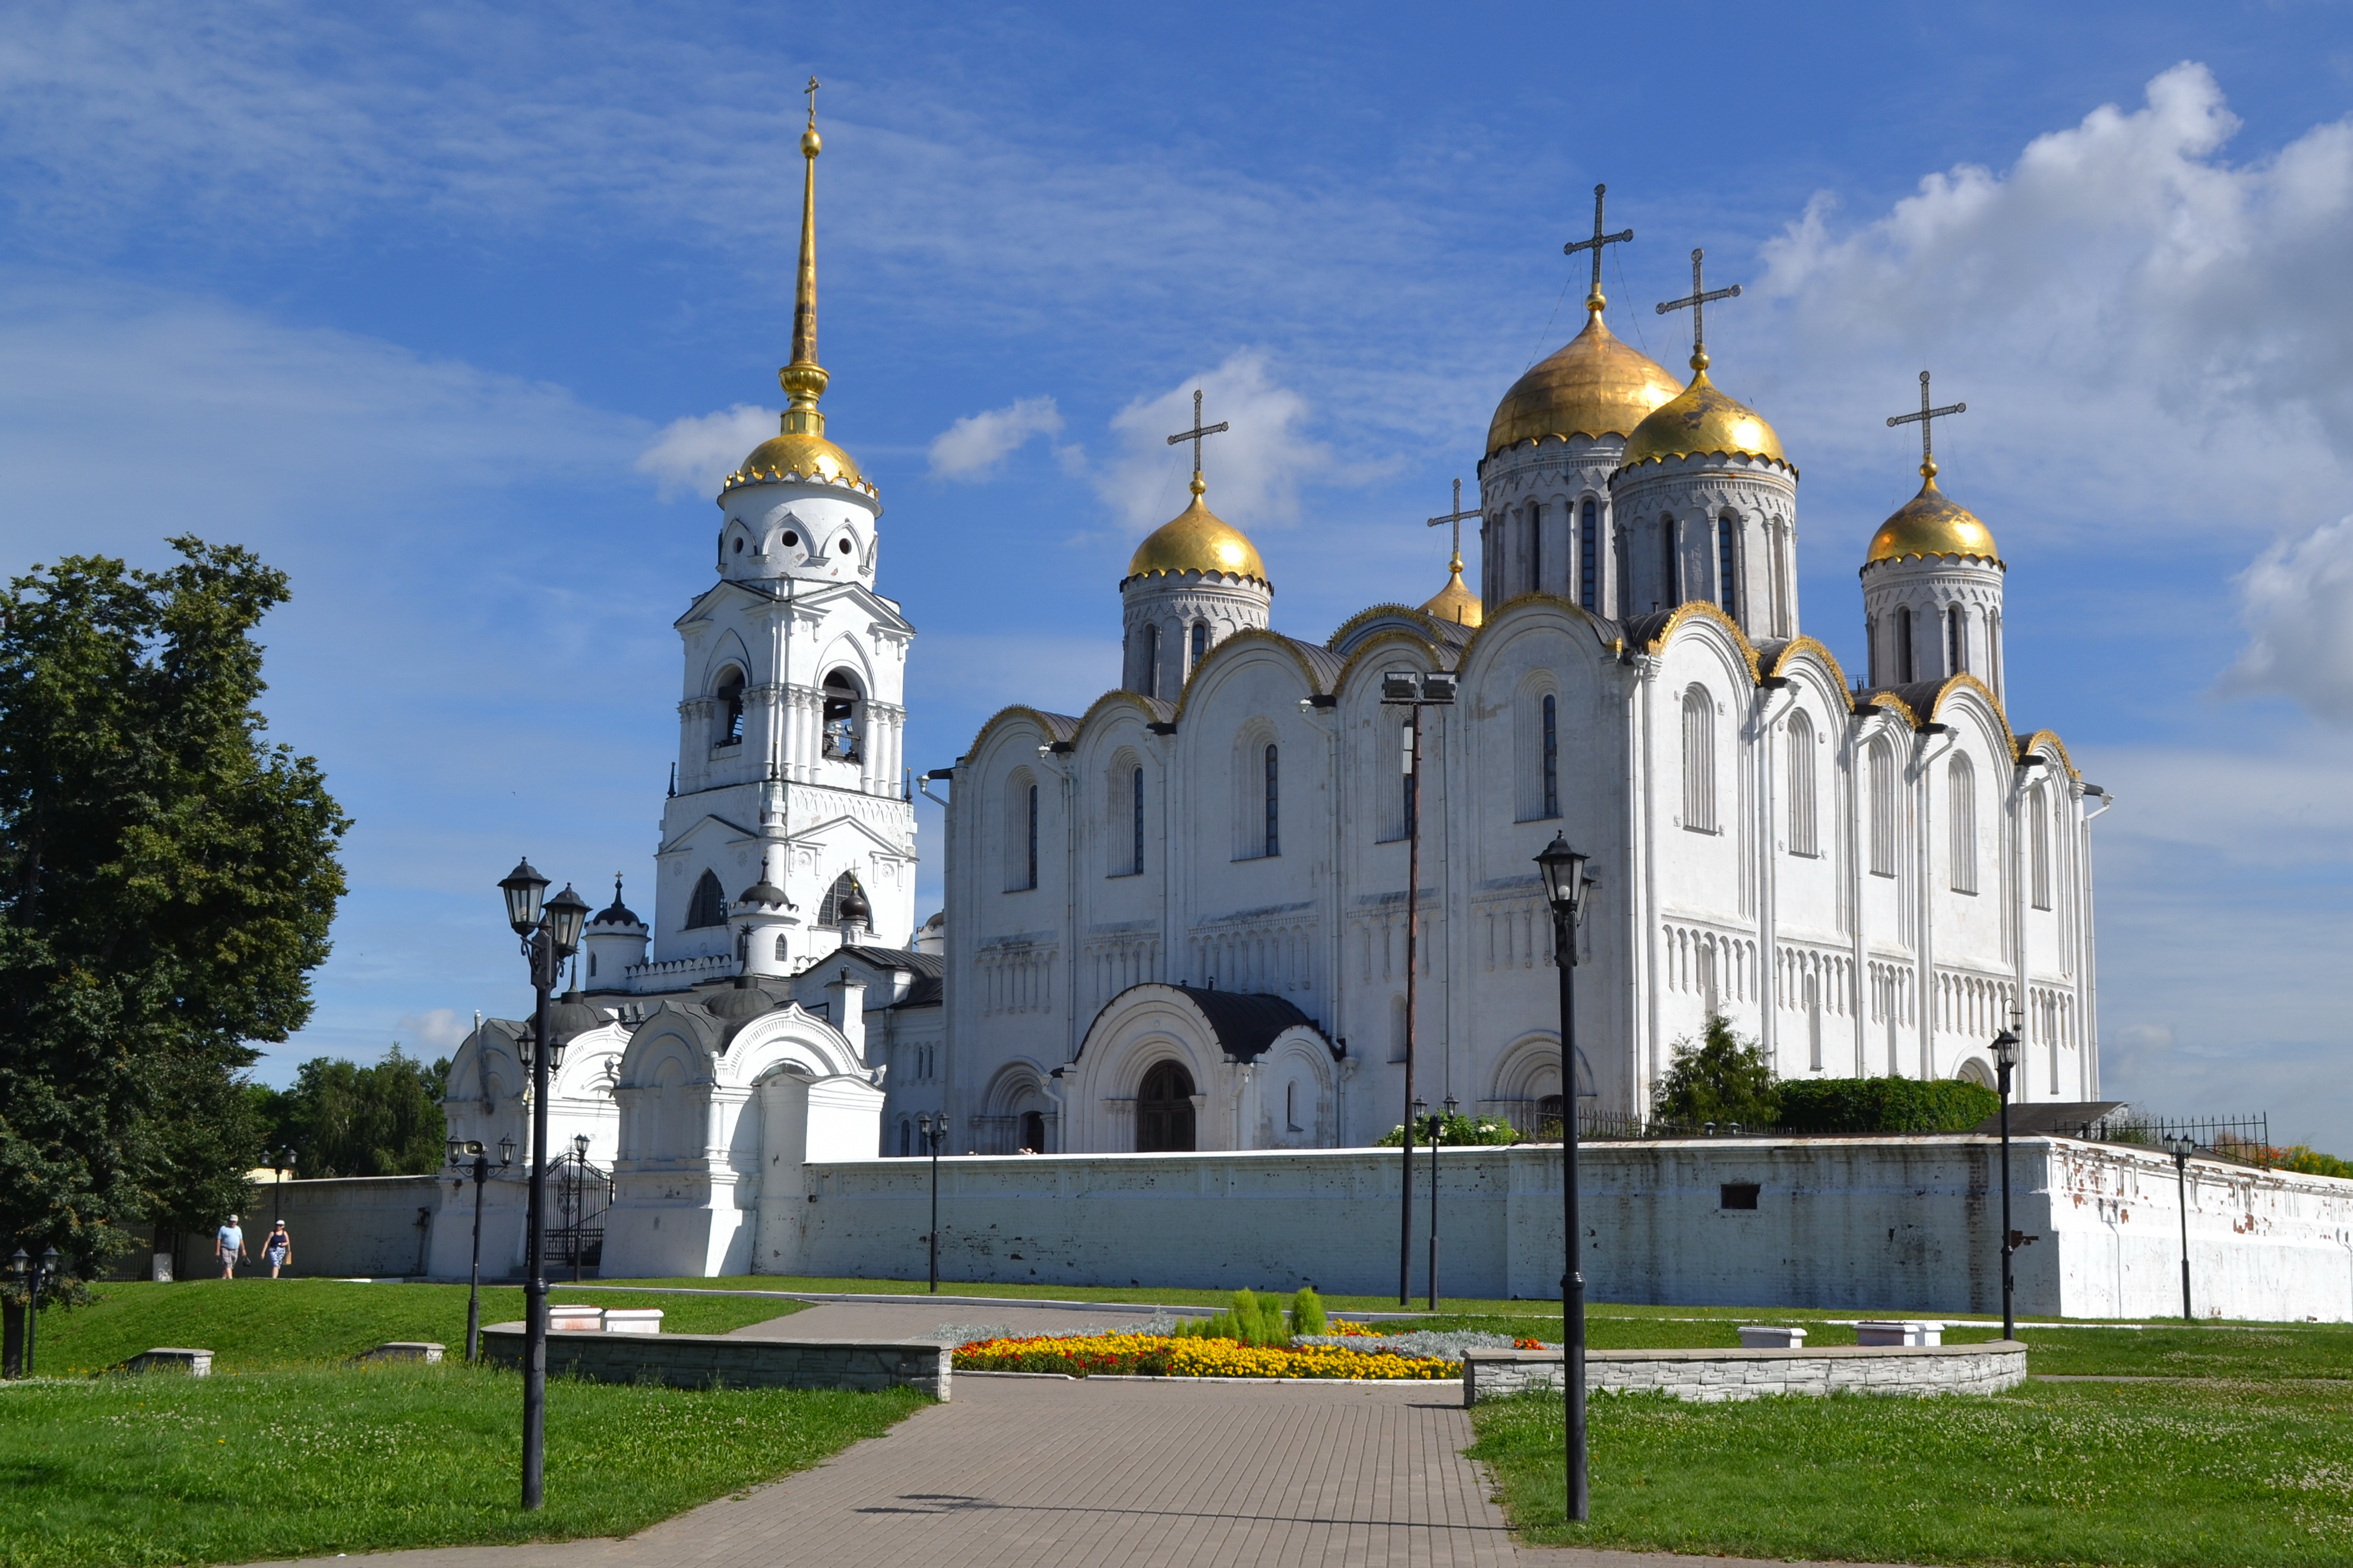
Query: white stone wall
1710, 1377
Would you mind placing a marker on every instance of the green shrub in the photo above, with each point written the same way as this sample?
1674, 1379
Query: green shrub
1248, 1319
2306, 1161
1719, 1077
1884, 1104
1456, 1130
1307, 1313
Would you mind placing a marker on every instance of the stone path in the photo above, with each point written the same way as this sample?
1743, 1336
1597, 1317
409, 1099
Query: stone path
920, 1320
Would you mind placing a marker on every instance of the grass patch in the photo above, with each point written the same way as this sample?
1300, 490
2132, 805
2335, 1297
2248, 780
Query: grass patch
316, 1460
251, 1324
2164, 1475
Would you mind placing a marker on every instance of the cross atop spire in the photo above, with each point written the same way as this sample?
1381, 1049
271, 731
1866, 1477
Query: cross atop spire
1194, 436
1697, 299
811, 90
1455, 517
1593, 300
1926, 419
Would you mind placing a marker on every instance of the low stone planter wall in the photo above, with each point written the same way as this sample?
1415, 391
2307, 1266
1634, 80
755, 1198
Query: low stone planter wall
1710, 1375
726, 1360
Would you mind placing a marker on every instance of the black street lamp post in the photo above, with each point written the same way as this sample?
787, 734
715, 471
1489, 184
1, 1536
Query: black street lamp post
460, 1149
2005, 1059
1569, 889
32, 1273
933, 1129
1437, 1136
2182, 1148
1413, 691
549, 935
579, 1198
279, 1163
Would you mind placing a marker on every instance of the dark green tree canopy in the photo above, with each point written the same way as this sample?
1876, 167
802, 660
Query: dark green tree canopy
344, 1119
1720, 1077
167, 878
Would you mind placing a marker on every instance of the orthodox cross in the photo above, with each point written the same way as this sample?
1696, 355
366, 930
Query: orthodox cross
1593, 300
1927, 419
1697, 300
1197, 432
811, 90
1455, 517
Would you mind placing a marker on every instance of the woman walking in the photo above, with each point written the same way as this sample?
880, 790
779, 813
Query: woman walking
278, 1249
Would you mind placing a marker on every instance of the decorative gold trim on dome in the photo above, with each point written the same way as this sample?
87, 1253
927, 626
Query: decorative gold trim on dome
1700, 610
1931, 524
1702, 421
2035, 741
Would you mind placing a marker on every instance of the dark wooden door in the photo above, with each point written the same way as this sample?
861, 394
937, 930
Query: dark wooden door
1164, 1111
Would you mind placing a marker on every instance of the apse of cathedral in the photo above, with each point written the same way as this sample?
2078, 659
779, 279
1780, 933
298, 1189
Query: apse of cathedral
1182, 918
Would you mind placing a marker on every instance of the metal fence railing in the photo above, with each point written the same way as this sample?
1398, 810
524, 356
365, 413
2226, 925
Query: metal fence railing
2245, 1138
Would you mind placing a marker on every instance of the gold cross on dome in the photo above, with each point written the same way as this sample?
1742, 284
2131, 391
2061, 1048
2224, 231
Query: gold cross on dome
1197, 432
811, 90
1455, 517
1697, 299
1593, 300
1927, 419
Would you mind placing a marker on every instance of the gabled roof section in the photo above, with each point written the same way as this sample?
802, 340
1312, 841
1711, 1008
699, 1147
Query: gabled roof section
1775, 658
796, 591
1059, 728
1651, 633
1318, 665
1448, 636
2042, 738
928, 988
1154, 710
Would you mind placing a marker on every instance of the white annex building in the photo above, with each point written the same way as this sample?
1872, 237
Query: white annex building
1179, 920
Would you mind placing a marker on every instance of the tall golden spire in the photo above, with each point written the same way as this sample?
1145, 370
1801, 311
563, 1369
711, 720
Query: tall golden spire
804, 379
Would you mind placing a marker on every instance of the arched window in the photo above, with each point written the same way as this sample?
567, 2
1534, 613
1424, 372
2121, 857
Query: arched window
1152, 660
1135, 820
708, 907
1882, 763
1273, 802
1164, 1110
1588, 561
1904, 675
1961, 785
906, 1137
1200, 642
1021, 831
844, 710
727, 723
1956, 642
1813, 1022
2039, 848
1805, 837
1699, 761
1551, 757
1727, 576
1535, 549
1670, 577
829, 913
1030, 834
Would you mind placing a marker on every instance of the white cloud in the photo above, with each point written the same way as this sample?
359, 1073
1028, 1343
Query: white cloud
972, 448
436, 1032
2138, 324
1254, 470
693, 455
2297, 602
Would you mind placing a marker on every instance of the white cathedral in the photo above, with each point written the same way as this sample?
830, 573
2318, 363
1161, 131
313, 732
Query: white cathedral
1179, 920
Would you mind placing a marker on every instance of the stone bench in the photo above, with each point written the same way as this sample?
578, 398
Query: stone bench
403, 1350
168, 1358
1711, 1375
729, 1361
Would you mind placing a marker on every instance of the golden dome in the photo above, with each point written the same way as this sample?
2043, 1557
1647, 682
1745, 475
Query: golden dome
810, 456
1595, 386
1196, 540
1455, 603
1931, 525
1702, 420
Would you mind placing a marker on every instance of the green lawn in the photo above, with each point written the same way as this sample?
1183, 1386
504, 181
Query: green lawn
2215, 1472
251, 1324
323, 1459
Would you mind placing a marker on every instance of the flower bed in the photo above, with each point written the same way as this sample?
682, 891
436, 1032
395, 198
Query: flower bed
1156, 1355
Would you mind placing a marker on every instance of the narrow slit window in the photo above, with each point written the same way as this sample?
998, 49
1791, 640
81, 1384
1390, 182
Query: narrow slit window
1727, 576
1551, 756
1031, 814
1535, 549
1152, 660
1136, 821
1956, 642
1588, 561
1273, 802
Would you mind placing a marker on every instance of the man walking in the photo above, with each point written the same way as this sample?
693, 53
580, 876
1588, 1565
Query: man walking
229, 1243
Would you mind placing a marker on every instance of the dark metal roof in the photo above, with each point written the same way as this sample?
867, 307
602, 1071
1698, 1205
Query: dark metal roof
1245, 1022
1321, 659
929, 986
2059, 1119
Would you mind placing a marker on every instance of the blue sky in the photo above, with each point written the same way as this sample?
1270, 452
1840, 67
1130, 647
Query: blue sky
454, 311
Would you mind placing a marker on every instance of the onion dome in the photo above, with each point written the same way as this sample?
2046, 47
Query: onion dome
745, 999
1196, 540
1930, 523
853, 909
618, 914
568, 1018
762, 892
1454, 602
1702, 421
800, 447
1596, 384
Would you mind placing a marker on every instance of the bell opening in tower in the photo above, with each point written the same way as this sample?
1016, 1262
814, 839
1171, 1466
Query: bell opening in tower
844, 707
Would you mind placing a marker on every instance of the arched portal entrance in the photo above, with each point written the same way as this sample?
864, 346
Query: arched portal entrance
1164, 1110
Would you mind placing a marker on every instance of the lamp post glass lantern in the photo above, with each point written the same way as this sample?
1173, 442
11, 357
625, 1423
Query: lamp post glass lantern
550, 933
1568, 890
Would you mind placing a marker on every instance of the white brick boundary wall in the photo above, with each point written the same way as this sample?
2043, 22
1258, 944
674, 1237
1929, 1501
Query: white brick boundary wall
1713, 1375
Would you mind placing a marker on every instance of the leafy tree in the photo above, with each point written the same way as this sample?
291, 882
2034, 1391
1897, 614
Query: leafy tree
344, 1119
1720, 1077
167, 879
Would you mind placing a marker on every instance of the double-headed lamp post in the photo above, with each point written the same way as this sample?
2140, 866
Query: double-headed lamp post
279, 1163
933, 1130
1569, 890
2182, 1148
29, 1272
463, 1151
1413, 691
550, 935
2005, 1060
